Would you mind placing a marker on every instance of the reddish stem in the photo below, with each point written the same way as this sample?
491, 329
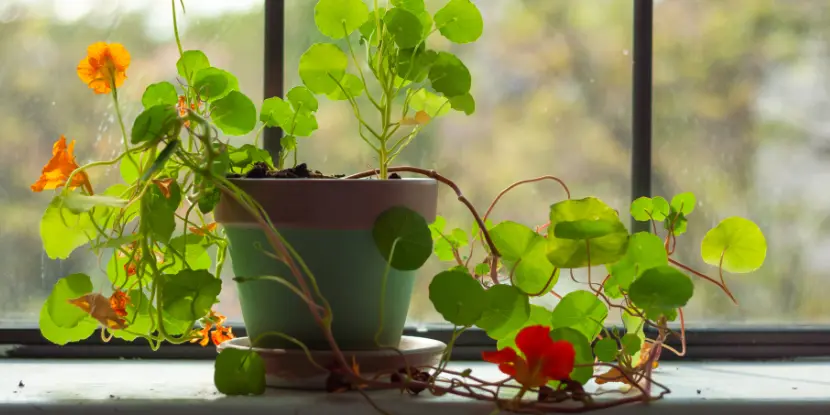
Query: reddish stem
707, 278
435, 175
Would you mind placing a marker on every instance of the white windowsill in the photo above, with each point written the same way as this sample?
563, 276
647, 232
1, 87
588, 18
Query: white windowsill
92, 387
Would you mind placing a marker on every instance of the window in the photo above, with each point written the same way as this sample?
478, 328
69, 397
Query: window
738, 118
42, 98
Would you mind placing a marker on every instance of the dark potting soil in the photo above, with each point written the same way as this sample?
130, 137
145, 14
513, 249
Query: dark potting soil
261, 170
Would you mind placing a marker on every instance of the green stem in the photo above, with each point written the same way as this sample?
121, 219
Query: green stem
123, 128
176, 29
383, 292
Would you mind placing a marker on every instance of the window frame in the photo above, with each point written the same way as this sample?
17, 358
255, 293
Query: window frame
728, 343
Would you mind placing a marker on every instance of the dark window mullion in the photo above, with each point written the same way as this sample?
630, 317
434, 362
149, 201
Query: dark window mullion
274, 65
641, 105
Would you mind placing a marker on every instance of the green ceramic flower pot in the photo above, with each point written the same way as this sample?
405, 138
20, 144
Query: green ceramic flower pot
329, 223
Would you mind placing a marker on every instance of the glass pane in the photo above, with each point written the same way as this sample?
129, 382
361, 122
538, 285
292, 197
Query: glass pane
41, 97
741, 102
552, 82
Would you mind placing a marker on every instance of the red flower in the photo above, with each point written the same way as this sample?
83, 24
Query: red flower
544, 359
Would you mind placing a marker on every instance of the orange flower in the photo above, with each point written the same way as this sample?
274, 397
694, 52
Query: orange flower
219, 335
544, 359
203, 230
57, 170
164, 186
104, 65
101, 309
118, 302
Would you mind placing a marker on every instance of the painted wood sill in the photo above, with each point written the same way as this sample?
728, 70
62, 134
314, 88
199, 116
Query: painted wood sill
146, 386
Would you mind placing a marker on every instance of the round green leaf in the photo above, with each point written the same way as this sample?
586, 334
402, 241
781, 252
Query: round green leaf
449, 76
459, 298
739, 241
304, 125
239, 372
460, 21
321, 65
162, 93
660, 208
684, 203
641, 209
61, 336
584, 354
539, 316
413, 64
63, 314
352, 85
631, 344
534, 274
514, 240
370, 26
660, 290
589, 218
235, 114
606, 349
581, 311
645, 250
408, 232
214, 83
191, 62
155, 123
276, 113
405, 27
63, 231
507, 310
464, 103
339, 18
189, 294
302, 99
677, 222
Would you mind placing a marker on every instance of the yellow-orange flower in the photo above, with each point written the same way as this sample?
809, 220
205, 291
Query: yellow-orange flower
203, 230
57, 170
118, 301
219, 335
104, 65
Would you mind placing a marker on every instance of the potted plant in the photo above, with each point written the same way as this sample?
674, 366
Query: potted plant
331, 221
290, 230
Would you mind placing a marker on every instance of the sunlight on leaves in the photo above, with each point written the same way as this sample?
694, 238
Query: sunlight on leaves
321, 65
739, 241
585, 218
339, 18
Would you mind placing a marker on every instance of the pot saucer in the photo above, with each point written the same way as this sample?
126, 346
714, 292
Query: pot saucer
291, 369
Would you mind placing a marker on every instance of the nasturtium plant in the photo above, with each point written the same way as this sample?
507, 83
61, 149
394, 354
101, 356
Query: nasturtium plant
387, 47
153, 244
154, 234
